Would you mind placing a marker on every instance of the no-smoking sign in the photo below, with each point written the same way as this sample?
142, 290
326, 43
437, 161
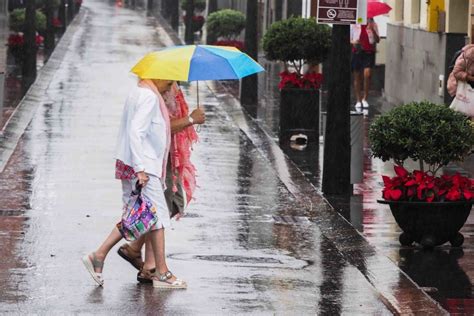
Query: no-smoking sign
338, 11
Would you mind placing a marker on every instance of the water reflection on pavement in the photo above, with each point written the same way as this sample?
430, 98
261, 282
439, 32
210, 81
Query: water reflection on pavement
450, 277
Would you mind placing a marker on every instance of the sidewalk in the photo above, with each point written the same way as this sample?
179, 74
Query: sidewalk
259, 239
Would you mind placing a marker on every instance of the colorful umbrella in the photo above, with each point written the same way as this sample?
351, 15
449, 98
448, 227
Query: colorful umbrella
375, 8
196, 62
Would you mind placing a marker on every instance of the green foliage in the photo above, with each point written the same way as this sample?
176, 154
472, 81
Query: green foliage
422, 131
297, 38
17, 20
199, 5
225, 23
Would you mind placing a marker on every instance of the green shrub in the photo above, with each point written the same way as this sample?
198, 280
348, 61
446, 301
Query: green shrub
226, 23
297, 39
199, 5
427, 132
17, 20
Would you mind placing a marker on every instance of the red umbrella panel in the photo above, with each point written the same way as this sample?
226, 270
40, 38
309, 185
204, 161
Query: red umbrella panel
375, 8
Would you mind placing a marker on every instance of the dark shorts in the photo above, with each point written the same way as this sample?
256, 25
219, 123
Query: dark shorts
362, 60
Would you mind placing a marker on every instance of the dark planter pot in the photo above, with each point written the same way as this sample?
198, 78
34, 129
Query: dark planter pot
299, 113
430, 224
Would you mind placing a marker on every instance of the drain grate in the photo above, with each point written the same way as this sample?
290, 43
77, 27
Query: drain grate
290, 220
12, 213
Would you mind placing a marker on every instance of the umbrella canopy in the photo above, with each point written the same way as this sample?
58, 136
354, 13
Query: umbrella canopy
196, 62
375, 8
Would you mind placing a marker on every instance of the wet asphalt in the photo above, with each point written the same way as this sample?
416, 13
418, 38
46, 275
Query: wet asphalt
258, 239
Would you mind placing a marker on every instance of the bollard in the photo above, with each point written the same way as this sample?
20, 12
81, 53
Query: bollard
357, 144
357, 147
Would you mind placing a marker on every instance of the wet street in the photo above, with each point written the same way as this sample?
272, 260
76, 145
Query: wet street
258, 239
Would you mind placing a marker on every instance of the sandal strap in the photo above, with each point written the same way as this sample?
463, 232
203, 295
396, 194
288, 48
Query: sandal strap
96, 263
131, 251
165, 276
162, 278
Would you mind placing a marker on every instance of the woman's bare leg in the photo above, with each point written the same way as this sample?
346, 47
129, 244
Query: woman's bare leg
367, 76
149, 255
158, 243
358, 85
111, 240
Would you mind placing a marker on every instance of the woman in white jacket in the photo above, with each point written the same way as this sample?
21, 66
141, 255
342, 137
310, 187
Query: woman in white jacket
141, 155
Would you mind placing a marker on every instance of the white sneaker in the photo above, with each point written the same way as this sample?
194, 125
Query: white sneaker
365, 104
358, 105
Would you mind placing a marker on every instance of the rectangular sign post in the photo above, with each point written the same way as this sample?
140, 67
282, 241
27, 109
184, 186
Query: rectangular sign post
342, 11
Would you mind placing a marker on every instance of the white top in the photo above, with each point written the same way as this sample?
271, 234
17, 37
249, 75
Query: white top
142, 137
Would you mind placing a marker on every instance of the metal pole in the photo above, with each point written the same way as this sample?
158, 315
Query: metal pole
197, 89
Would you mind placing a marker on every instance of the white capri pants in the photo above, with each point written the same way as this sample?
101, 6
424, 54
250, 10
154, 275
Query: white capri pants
155, 193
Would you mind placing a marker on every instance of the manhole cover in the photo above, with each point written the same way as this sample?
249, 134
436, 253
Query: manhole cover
238, 259
245, 260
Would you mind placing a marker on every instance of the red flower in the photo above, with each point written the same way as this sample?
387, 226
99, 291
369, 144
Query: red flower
421, 186
294, 80
237, 44
18, 40
57, 22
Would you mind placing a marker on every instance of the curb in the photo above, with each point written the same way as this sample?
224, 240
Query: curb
26, 108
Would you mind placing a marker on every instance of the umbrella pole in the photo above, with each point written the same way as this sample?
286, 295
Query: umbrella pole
197, 91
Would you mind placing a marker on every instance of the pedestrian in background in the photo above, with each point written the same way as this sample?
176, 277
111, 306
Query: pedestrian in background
364, 39
180, 176
141, 156
463, 69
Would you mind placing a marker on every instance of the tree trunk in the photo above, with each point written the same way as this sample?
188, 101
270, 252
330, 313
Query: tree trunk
212, 7
70, 10
278, 10
49, 40
249, 86
29, 64
165, 8
189, 32
174, 14
149, 5
62, 14
294, 8
337, 148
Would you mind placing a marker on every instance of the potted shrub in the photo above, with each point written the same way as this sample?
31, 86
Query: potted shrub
197, 18
430, 209
298, 42
226, 25
16, 40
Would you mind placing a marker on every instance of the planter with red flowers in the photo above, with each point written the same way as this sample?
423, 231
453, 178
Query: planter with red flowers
16, 45
226, 26
429, 208
298, 42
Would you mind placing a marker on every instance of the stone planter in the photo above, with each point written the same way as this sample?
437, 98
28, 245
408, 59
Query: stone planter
430, 224
299, 113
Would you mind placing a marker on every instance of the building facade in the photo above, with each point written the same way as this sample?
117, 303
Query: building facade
422, 37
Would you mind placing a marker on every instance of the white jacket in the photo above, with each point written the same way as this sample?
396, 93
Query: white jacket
142, 136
